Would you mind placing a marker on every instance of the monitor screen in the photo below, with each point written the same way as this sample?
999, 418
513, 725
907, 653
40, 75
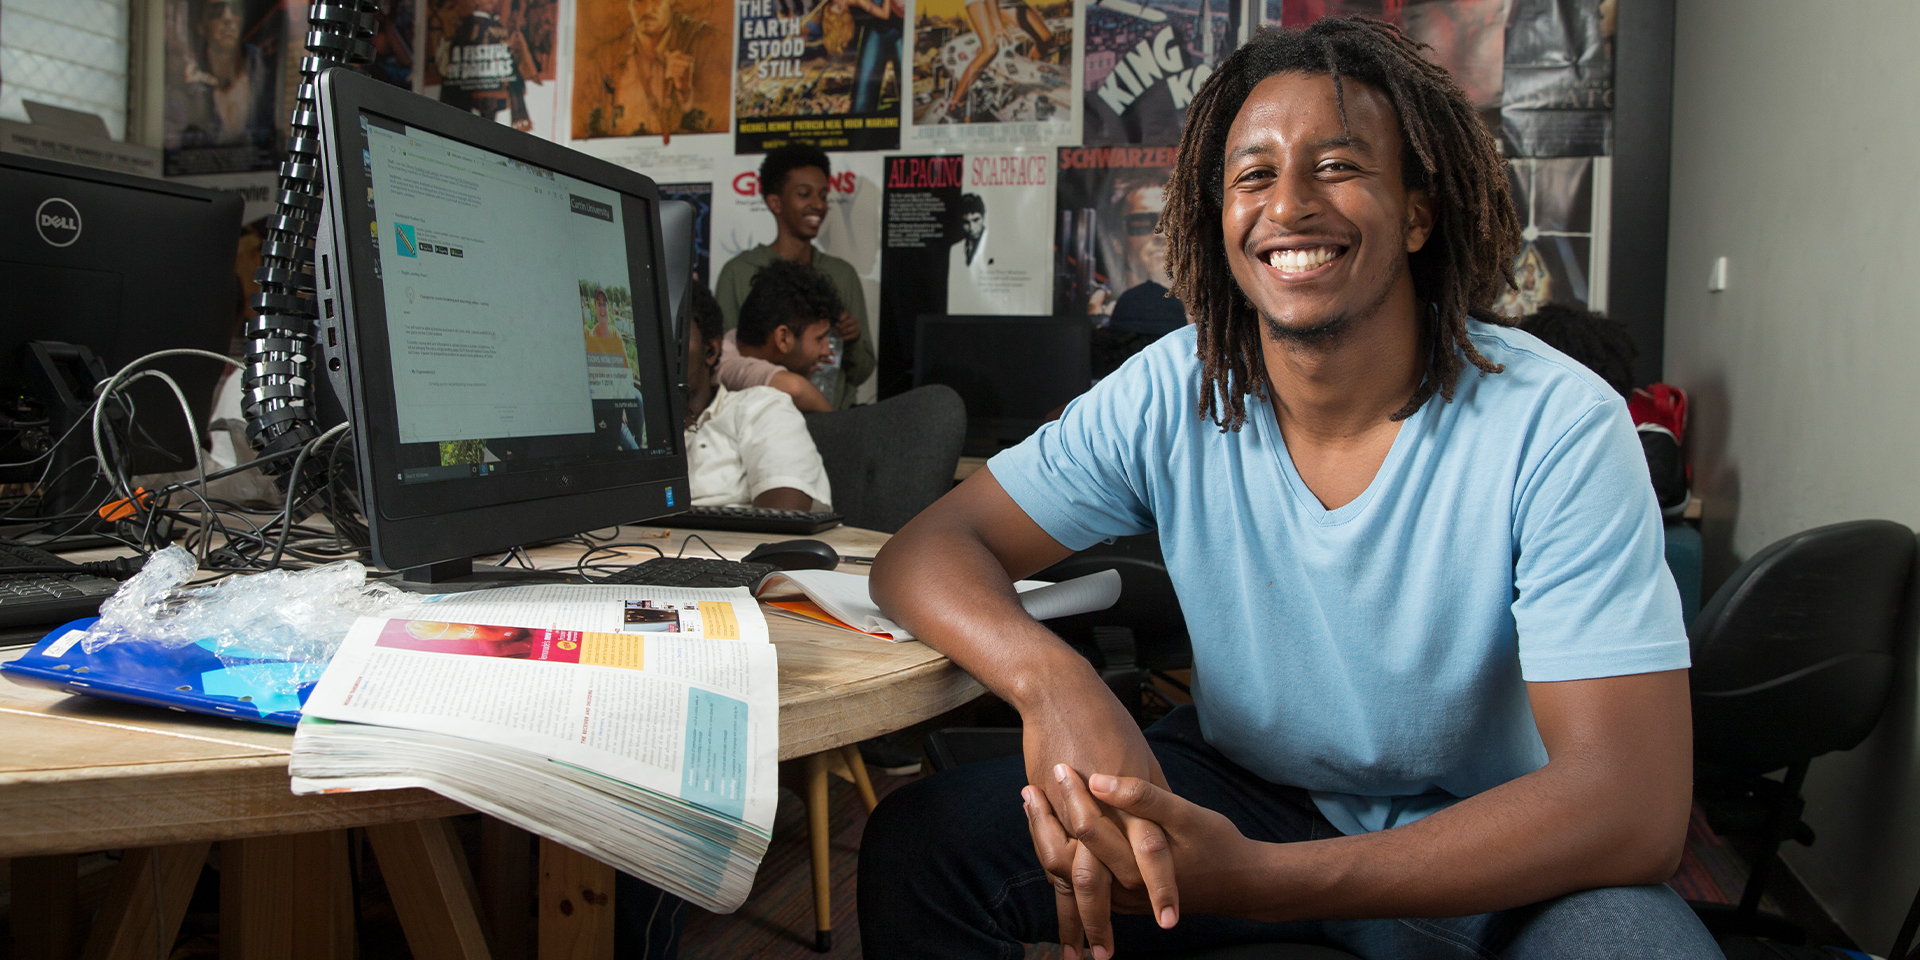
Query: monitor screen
510, 311
508, 349
1013, 373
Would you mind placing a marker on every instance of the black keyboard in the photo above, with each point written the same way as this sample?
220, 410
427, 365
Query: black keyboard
691, 572
753, 520
46, 598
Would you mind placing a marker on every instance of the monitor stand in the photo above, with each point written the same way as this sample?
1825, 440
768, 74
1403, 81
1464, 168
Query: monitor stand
458, 575
60, 378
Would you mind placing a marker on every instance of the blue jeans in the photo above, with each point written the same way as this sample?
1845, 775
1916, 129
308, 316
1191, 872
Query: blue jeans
879, 47
947, 870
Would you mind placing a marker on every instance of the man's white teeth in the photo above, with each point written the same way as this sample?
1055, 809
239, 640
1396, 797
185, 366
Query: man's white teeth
1300, 261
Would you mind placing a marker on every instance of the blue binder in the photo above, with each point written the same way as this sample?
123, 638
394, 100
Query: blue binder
249, 685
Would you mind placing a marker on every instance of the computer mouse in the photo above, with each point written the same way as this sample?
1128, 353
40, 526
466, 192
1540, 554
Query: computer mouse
795, 555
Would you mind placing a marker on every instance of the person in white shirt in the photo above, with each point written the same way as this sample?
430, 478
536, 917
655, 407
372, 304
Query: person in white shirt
744, 447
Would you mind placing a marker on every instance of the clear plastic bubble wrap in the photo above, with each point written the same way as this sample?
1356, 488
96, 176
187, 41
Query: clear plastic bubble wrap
296, 616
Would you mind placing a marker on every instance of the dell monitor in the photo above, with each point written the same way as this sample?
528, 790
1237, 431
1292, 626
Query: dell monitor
1013, 373
98, 269
493, 312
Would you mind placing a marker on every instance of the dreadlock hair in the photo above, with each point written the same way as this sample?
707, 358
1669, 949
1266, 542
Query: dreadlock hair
1605, 346
1467, 261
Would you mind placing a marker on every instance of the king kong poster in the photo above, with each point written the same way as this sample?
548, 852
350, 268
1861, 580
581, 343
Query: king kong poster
1144, 63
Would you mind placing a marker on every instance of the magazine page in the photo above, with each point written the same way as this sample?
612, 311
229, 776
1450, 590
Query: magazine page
708, 614
692, 719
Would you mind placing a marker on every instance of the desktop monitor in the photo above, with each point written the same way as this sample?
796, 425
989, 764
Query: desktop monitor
494, 315
114, 266
1013, 373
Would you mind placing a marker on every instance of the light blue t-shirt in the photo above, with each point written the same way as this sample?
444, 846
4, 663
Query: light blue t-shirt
1376, 655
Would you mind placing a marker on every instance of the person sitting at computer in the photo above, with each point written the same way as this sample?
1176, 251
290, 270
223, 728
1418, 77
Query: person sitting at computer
782, 334
744, 447
795, 181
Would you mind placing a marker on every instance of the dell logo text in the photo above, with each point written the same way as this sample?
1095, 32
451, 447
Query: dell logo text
58, 222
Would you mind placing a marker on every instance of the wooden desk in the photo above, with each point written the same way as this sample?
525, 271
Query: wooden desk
80, 774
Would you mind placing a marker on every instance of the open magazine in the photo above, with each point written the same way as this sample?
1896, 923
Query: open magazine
637, 725
841, 599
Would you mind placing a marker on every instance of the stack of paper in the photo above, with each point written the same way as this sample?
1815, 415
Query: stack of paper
637, 725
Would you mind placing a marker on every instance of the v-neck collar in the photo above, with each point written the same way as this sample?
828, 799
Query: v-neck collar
1310, 505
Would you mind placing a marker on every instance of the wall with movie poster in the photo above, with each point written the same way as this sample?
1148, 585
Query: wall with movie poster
692, 92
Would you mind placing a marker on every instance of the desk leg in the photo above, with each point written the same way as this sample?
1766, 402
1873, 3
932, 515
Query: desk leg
505, 876
286, 898
576, 905
820, 830
432, 891
323, 897
128, 926
858, 765
43, 906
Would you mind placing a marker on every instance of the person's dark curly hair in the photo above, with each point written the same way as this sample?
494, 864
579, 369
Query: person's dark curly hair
781, 161
786, 294
1466, 263
1604, 345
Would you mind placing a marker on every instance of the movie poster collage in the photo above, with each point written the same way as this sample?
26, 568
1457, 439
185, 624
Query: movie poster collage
952, 126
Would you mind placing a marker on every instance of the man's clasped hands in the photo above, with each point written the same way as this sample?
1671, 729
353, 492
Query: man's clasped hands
1122, 842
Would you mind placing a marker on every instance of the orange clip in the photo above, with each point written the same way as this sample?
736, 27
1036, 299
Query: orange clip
122, 509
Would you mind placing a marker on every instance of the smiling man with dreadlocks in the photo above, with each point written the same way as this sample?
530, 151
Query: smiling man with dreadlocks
1440, 689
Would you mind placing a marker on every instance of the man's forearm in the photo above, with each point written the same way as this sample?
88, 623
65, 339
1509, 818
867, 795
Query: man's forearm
806, 396
1521, 843
1609, 810
952, 592
784, 498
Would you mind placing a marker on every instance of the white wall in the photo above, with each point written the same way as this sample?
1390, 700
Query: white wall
1796, 155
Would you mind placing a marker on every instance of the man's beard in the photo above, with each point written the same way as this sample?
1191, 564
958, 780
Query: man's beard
1323, 334
1329, 331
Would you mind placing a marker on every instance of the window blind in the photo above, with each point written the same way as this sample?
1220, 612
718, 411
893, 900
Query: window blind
69, 53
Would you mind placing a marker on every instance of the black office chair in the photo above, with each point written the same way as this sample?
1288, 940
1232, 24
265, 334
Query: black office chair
890, 460
1793, 657
1143, 634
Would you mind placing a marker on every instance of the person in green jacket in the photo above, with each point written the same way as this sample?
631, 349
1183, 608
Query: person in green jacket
794, 181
